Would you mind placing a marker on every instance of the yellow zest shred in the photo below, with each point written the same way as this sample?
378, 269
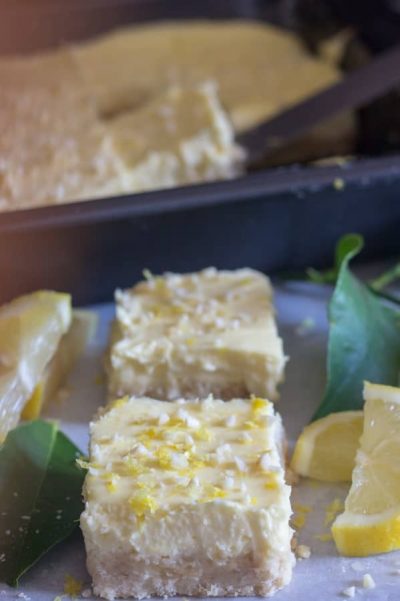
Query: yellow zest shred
272, 483
72, 587
163, 455
118, 402
332, 510
111, 481
134, 467
250, 425
202, 434
150, 434
143, 503
259, 405
299, 519
212, 492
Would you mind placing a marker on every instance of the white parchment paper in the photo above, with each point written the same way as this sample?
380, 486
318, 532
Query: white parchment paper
325, 575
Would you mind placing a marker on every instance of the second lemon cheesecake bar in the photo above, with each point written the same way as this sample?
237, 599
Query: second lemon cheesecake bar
195, 334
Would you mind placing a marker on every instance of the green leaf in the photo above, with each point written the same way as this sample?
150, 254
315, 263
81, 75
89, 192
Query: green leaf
40, 495
350, 243
386, 278
364, 340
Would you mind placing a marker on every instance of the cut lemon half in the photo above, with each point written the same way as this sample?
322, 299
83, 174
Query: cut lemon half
71, 346
326, 449
31, 328
370, 523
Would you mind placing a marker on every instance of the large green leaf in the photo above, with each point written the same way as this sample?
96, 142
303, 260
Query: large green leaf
364, 339
40, 495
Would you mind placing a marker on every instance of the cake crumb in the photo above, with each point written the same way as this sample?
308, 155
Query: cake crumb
303, 552
349, 592
338, 183
86, 593
306, 326
368, 581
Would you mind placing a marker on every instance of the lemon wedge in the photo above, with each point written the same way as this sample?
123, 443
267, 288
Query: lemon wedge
71, 346
31, 328
326, 449
370, 523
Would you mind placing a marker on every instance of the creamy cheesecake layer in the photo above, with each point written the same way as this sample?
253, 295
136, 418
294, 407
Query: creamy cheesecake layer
191, 335
187, 498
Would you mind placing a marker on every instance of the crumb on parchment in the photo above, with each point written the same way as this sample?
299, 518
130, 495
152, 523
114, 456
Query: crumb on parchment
349, 592
303, 552
368, 581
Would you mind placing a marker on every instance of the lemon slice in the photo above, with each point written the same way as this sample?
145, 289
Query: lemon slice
326, 449
371, 520
31, 327
71, 346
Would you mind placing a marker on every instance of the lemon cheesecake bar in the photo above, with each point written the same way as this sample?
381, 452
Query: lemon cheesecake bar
187, 498
195, 334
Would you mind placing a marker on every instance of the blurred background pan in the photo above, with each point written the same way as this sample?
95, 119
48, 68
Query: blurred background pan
283, 218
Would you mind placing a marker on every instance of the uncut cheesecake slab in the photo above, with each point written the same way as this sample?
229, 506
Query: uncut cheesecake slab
187, 336
187, 498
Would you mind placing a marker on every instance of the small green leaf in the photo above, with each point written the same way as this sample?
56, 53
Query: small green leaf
350, 243
40, 495
364, 339
386, 278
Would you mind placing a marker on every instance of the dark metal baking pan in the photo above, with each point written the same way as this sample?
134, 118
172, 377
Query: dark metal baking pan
285, 219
